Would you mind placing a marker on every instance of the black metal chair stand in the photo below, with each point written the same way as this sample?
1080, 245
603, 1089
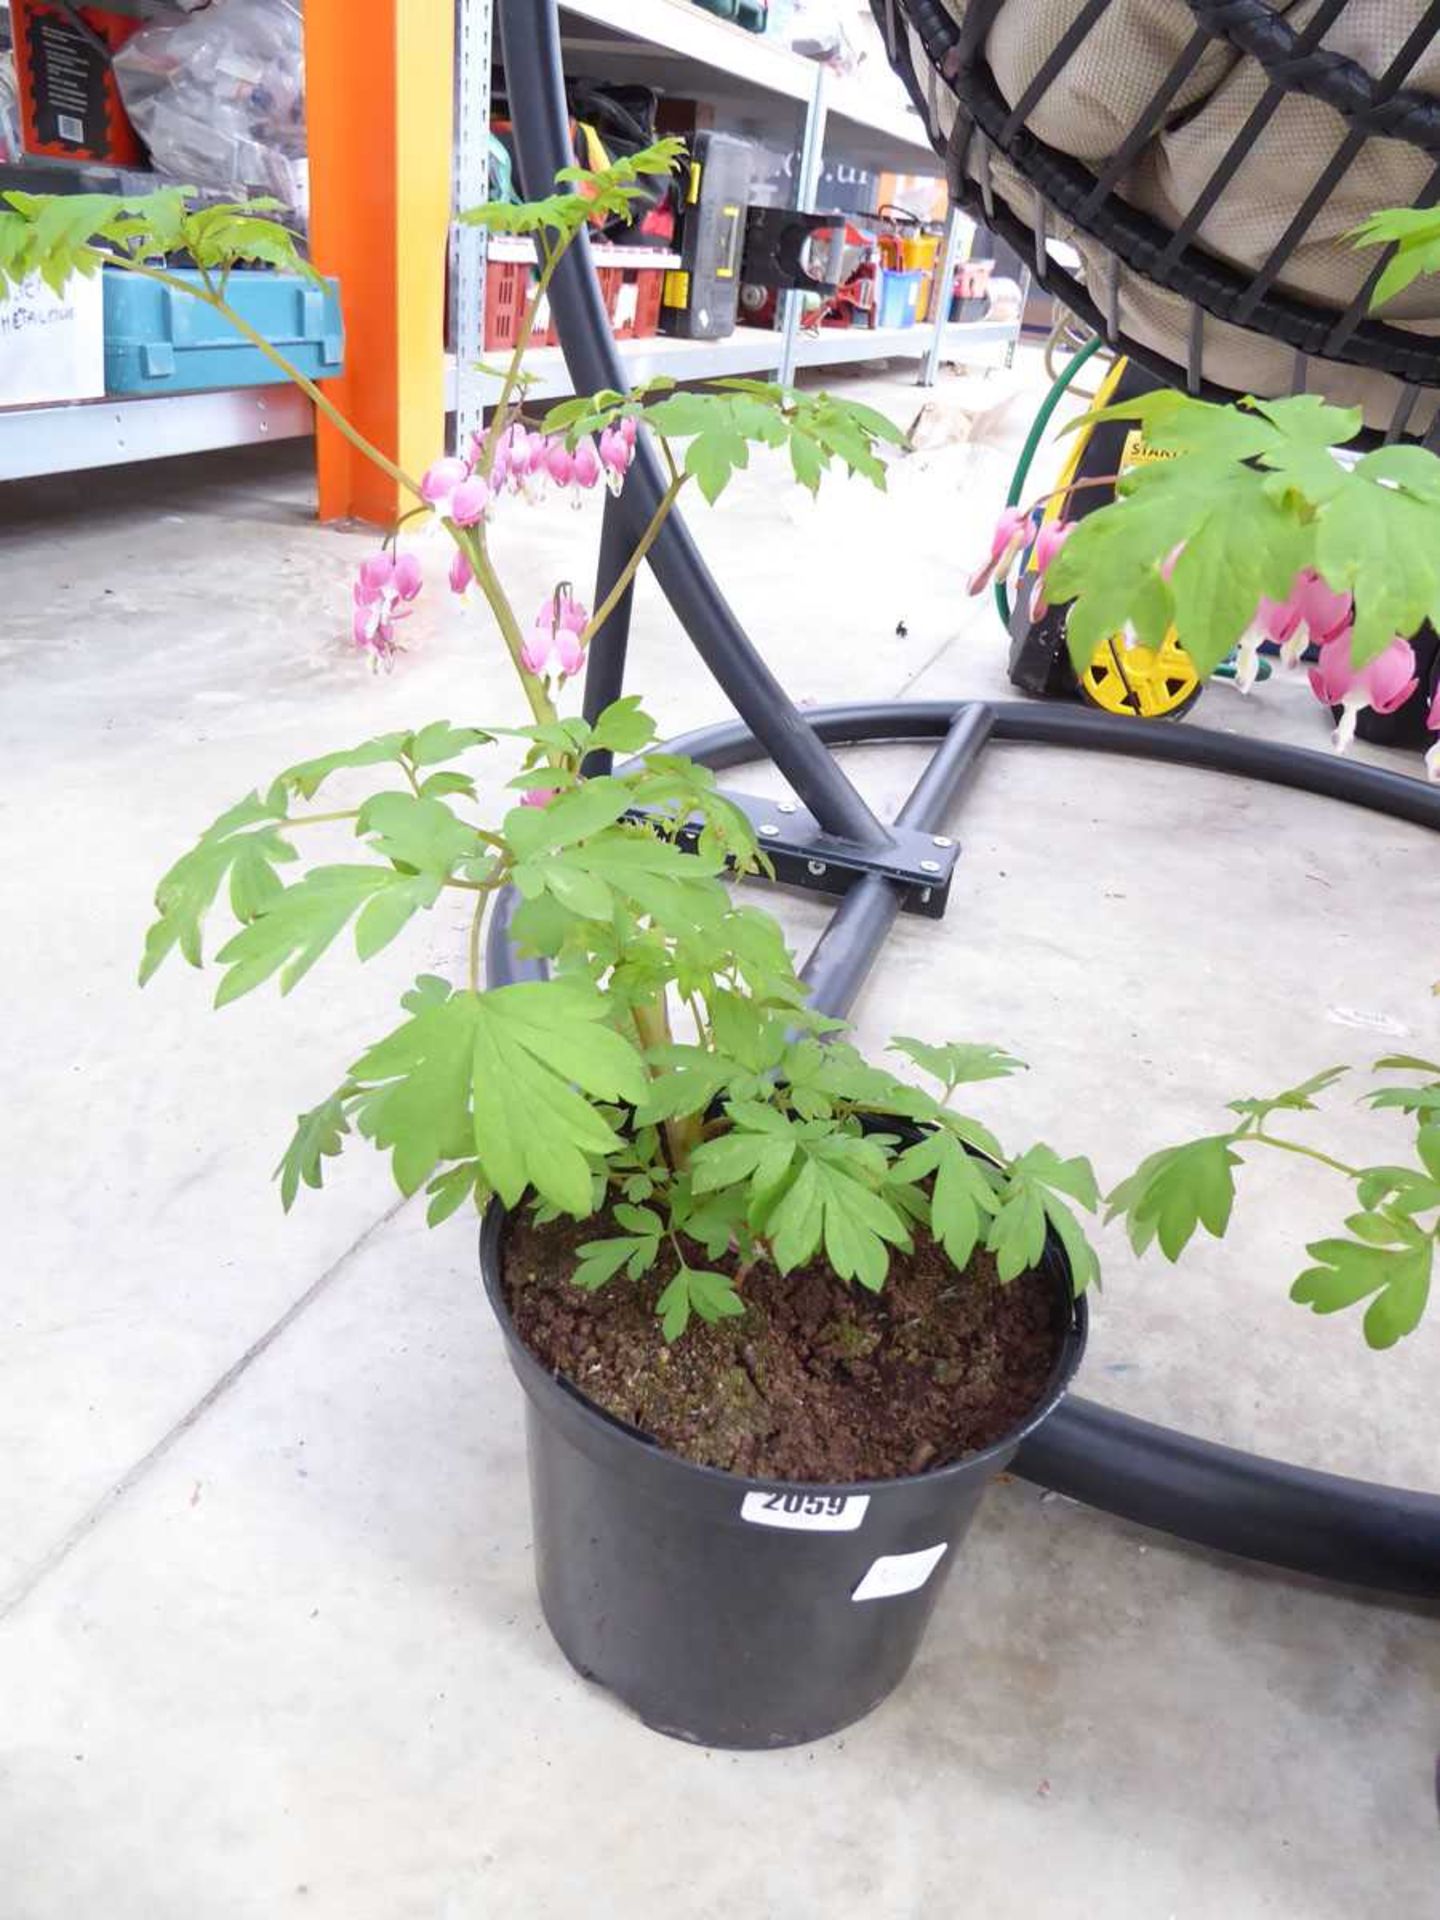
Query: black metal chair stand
1316, 1523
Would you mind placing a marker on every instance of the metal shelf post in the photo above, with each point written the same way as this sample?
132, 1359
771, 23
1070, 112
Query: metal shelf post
473, 31
807, 185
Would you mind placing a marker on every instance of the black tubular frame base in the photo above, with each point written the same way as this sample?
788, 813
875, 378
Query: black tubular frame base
1315, 1523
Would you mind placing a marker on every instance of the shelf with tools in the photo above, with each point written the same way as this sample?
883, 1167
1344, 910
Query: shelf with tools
827, 140
823, 127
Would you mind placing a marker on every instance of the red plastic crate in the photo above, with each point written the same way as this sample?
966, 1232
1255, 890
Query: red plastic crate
632, 282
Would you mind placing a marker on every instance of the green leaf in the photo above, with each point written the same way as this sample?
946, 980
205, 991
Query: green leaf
424, 835
1083, 1259
296, 928
502, 1075
1415, 232
808, 461
1381, 548
247, 835
712, 458
386, 913
450, 1190
307, 777
1347, 1272
534, 1044
415, 1085
1176, 1190
624, 727
439, 742
1075, 1177
963, 1194
712, 1295
673, 1307
1299, 1099
436, 786
319, 1136
567, 820
1427, 1145
957, 1062
829, 1201
641, 1220
1016, 1235
1407, 1099
601, 1260
761, 1159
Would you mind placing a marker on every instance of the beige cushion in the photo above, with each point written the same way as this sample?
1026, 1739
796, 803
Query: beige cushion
1100, 93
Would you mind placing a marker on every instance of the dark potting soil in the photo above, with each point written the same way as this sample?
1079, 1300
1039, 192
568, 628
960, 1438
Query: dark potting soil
818, 1380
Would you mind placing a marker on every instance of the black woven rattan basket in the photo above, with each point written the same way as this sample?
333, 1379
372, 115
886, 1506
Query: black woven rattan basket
1207, 160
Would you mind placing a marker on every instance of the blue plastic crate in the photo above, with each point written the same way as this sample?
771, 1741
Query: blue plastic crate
158, 340
899, 299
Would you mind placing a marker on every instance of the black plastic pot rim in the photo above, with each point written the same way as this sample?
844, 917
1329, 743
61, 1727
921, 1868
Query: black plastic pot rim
493, 1230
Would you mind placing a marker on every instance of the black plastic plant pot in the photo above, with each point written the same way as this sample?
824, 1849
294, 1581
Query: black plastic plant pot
733, 1612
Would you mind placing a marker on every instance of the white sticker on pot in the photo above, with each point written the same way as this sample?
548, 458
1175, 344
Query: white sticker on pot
806, 1512
896, 1573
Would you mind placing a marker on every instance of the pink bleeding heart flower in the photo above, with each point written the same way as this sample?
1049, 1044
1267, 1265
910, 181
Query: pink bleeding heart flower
1007, 543
1432, 720
538, 796
1325, 614
409, 576
462, 574
1049, 542
529, 468
616, 453
560, 622
1384, 683
1311, 614
383, 590
469, 502
629, 427
587, 464
441, 478
499, 460
560, 463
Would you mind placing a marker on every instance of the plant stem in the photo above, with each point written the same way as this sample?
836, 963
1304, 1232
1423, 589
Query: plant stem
477, 921
319, 819
472, 545
1073, 486
652, 1024
1309, 1153
277, 359
632, 565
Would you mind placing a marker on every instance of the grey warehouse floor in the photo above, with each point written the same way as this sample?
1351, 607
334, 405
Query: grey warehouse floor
269, 1642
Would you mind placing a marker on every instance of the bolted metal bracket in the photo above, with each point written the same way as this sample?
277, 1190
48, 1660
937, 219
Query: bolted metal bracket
803, 855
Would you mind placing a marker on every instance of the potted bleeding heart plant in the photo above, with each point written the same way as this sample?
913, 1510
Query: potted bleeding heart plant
780, 1313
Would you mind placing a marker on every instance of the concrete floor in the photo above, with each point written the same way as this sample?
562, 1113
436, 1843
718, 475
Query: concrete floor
271, 1644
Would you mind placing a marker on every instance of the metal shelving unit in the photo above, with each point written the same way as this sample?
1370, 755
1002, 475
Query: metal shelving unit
676, 45
745, 77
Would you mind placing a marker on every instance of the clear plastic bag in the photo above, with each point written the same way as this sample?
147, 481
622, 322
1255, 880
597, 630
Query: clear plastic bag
219, 97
